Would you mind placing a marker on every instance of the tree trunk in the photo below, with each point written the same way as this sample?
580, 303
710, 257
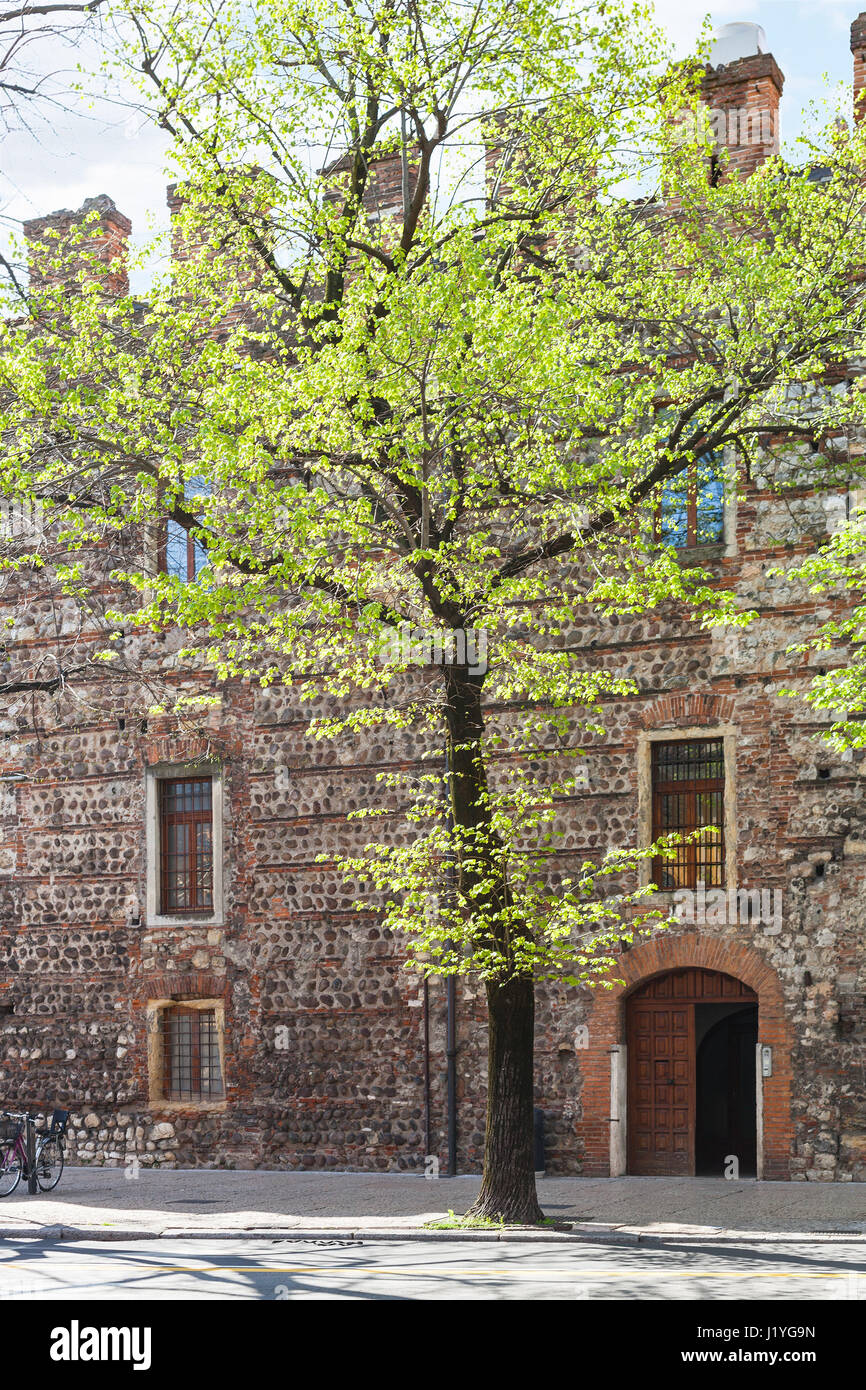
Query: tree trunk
508, 1185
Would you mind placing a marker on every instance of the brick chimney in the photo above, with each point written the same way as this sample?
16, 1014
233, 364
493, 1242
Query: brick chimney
499, 155
743, 101
199, 231
858, 48
383, 191
65, 243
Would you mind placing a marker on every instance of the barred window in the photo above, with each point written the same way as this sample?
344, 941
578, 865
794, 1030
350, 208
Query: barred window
692, 507
688, 781
191, 1067
186, 844
21, 517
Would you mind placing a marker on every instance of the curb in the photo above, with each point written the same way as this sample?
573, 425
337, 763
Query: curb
623, 1237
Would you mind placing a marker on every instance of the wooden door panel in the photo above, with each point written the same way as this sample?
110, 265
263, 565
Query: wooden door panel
661, 1086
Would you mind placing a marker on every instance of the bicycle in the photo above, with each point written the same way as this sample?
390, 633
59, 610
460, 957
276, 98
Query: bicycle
13, 1151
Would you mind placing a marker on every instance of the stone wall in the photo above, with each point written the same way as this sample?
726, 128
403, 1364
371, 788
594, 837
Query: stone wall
324, 1031
324, 1026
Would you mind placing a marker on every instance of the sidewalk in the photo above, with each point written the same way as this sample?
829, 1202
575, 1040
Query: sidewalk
104, 1203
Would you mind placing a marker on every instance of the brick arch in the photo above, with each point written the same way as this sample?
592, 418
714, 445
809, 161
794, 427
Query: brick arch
687, 710
606, 1020
195, 984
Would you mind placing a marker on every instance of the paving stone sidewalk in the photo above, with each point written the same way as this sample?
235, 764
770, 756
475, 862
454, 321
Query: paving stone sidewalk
104, 1202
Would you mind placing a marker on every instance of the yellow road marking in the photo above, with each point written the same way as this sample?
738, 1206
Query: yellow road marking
457, 1273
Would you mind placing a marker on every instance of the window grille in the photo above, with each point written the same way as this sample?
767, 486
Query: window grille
184, 556
191, 1056
688, 781
186, 844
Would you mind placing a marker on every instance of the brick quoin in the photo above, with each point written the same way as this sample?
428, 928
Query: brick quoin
607, 1024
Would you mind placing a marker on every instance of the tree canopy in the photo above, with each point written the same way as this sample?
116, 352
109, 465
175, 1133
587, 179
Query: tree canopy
454, 305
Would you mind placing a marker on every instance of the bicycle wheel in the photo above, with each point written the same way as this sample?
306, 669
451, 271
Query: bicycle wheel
49, 1164
11, 1169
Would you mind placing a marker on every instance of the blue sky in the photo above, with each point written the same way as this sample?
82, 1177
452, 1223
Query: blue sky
80, 153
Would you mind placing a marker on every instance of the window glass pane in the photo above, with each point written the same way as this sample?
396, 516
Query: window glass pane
195, 488
199, 559
688, 761
674, 512
710, 499
176, 550
204, 865
176, 868
211, 1077
185, 557
180, 1053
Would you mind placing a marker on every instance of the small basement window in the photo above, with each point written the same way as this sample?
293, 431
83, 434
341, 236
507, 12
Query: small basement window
185, 1058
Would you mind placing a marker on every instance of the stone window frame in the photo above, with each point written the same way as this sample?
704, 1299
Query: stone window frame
155, 774
728, 733
156, 1056
729, 520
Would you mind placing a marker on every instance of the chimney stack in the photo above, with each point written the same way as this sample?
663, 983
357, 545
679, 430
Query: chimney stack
382, 201
742, 93
858, 48
64, 245
201, 232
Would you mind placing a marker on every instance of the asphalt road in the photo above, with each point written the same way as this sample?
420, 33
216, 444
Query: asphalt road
285, 1270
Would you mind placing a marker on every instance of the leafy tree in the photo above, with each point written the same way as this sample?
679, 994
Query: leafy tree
28, 31
422, 438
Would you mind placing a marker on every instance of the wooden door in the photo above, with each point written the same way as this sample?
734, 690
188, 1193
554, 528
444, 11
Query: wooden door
662, 1071
661, 1102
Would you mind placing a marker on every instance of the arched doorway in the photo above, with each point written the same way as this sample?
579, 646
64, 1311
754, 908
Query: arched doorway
691, 1037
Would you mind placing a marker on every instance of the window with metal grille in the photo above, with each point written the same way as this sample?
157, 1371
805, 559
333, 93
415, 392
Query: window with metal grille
692, 507
21, 517
688, 781
191, 1067
186, 844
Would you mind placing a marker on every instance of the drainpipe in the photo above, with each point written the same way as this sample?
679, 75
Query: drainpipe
451, 1002
426, 1011
451, 1059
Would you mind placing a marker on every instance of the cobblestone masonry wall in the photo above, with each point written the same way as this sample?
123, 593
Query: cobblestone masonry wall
324, 1056
324, 1028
